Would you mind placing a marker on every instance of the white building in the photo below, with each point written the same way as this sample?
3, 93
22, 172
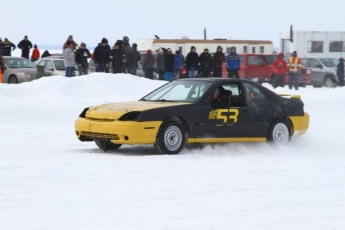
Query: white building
313, 43
184, 45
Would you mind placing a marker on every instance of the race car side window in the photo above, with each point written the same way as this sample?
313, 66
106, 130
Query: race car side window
253, 92
236, 97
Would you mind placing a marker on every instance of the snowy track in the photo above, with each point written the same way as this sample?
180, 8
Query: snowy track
50, 180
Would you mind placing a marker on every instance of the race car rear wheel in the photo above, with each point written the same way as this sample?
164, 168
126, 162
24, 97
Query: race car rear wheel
279, 132
170, 138
106, 145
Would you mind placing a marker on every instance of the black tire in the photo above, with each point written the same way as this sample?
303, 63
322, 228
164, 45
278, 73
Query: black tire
12, 80
170, 138
106, 145
328, 82
279, 132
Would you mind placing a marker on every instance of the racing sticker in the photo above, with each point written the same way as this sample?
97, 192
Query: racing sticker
227, 115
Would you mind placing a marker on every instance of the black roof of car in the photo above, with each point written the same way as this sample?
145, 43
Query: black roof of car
213, 79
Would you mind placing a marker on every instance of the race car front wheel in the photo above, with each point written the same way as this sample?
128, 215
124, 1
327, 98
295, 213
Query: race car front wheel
170, 138
279, 132
106, 145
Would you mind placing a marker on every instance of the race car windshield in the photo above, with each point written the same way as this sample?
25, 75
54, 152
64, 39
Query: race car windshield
179, 91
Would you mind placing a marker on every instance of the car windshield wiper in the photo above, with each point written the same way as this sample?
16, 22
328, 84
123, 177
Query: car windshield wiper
164, 100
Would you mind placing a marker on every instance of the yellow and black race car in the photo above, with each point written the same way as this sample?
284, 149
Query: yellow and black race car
203, 110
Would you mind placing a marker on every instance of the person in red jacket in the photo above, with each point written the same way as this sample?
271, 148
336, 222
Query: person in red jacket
35, 54
281, 69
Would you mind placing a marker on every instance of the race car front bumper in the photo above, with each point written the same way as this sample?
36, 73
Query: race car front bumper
118, 132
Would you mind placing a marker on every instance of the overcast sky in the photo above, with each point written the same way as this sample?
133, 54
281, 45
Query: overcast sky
49, 22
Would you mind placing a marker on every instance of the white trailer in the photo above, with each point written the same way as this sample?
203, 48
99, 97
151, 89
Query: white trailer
313, 43
184, 45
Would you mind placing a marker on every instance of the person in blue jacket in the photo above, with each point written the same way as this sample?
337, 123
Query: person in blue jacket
233, 63
177, 63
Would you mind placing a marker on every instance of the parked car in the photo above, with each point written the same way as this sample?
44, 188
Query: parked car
259, 68
18, 70
199, 110
54, 65
323, 70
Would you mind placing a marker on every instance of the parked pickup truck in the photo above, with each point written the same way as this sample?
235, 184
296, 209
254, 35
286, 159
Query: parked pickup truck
259, 67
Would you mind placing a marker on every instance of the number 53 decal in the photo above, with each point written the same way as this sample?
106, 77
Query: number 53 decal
224, 114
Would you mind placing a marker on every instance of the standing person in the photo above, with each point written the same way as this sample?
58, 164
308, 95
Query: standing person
280, 66
126, 48
81, 56
205, 60
295, 65
101, 56
74, 44
177, 63
25, 45
8, 47
169, 65
340, 72
217, 61
233, 63
69, 59
132, 60
148, 64
2, 66
192, 61
46, 54
2, 47
161, 64
35, 54
116, 56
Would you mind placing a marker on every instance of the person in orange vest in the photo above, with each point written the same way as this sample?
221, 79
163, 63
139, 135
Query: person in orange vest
2, 66
35, 54
280, 66
295, 65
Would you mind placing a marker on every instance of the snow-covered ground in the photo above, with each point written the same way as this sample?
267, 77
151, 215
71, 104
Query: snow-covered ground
51, 180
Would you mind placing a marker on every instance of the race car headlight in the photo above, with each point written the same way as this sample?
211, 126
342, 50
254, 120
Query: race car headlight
82, 115
131, 116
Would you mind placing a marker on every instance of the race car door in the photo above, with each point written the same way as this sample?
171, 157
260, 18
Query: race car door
260, 111
234, 120
243, 119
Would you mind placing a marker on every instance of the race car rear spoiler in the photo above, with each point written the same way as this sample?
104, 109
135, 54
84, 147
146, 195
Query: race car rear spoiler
291, 96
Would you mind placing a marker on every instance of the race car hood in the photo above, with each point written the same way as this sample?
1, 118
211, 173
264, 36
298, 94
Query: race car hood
115, 110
